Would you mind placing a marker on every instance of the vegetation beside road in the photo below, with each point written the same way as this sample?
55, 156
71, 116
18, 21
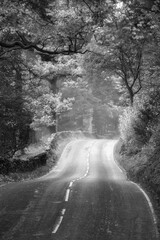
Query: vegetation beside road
41, 160
70, 65
143, 170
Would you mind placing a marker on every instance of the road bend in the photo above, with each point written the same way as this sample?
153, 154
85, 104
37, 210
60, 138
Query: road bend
85, 197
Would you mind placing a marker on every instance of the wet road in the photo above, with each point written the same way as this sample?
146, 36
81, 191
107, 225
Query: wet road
85, 197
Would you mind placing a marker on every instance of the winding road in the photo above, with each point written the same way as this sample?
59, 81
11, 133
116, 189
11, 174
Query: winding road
85, 197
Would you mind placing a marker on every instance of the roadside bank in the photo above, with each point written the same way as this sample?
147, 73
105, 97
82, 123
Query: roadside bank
144, 171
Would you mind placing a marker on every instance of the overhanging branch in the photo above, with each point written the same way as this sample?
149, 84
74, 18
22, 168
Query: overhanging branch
23, 46
89, 7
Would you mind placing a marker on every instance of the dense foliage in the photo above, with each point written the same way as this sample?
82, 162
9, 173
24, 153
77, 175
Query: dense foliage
138, 123
75, 65
78, 65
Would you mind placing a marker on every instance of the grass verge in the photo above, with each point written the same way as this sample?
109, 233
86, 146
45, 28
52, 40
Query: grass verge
142, 170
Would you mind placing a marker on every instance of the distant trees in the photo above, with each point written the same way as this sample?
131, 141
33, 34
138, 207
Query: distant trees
105, 88
31, 35
128, 41
74, 87
65, 61
123, 49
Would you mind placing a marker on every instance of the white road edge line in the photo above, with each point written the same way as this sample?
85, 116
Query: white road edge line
144, 193
150, 206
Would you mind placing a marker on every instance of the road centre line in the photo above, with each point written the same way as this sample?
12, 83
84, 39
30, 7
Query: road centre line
59, 221
70, 185
63, 211
67, 195
58, 224
55, 229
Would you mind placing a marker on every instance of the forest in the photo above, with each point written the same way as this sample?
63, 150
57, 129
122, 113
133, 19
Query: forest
80, 65
88, 66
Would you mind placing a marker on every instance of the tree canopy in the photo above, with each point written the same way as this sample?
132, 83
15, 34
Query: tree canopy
63, 62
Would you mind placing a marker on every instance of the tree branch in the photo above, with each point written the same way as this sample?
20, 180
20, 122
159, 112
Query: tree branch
37, 48
89, 7
137, 71
140, 86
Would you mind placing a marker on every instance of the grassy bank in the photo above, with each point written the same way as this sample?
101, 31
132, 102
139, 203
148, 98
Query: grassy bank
39, 159
144, 169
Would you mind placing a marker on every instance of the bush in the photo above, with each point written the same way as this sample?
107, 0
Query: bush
133, 130
139, 123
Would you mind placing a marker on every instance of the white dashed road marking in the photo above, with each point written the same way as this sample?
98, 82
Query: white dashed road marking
70, 185
58, 224
67, 195
60, 219
63, 211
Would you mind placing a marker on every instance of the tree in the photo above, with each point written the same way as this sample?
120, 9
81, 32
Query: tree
43, 96
105, 88
73, 85
127, 38
42, 27
14, 117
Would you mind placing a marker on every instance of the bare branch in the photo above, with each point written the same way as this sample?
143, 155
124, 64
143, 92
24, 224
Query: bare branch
140, 87
89, 7
34, 46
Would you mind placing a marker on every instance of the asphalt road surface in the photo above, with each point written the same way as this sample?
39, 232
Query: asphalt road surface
85, 197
